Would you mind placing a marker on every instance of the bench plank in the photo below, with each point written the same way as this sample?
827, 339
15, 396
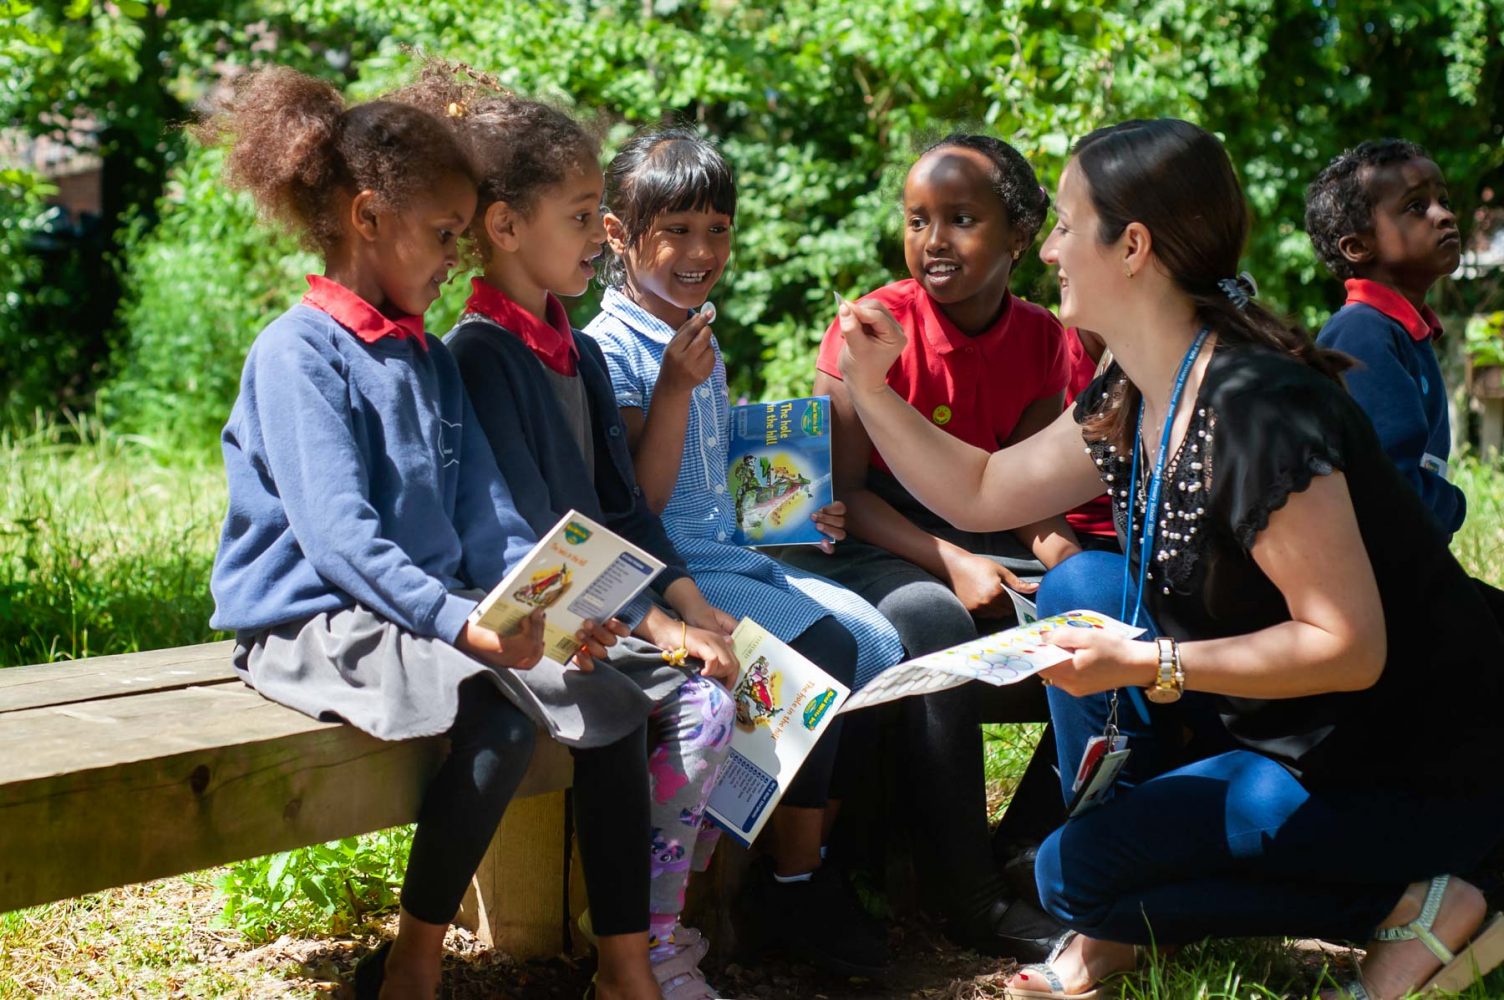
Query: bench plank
113, 676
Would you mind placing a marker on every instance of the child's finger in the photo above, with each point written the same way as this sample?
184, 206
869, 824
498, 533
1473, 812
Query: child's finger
585, 660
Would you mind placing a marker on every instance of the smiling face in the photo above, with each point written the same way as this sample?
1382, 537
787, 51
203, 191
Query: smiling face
1090, 276
672, 269
1415, 238
412, 250
958, 241
560, 235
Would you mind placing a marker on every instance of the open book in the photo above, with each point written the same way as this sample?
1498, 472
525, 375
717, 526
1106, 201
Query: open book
1005, 657
784, 703
778, 472
578, 570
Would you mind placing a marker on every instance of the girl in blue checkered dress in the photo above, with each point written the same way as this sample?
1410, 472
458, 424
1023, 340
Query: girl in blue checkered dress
671, 202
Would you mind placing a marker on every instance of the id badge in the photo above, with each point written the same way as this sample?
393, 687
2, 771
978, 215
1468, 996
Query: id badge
1096, 747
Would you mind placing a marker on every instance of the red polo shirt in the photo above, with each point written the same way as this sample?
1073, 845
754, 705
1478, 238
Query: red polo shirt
977, 387
1094, 517
1421, 324
551, 341
358, 316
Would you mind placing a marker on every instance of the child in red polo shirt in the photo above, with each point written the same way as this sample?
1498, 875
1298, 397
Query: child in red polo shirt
1092, 521
990, 369
1380, 218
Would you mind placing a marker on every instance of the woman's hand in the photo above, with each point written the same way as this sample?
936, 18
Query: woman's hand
594, 639
714, 650
831, 520
874, 340
519, 650
1101, 662
979, 583
689, 358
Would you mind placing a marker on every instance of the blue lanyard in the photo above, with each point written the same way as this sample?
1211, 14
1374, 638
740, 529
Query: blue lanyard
1151, 504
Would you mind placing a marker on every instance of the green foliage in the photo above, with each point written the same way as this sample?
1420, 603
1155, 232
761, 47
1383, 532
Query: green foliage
317, 890
199, 286
21, 200
1484, 340
102, 549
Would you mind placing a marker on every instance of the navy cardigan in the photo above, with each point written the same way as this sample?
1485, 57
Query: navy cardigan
537, 453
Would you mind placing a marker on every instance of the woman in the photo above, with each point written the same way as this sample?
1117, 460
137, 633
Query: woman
1343, 665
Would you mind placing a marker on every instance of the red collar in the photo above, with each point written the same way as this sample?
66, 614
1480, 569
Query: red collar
551, 340
944, 336
358, 316
1421, 325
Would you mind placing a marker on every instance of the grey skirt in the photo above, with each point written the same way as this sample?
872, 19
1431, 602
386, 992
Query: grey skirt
356, 666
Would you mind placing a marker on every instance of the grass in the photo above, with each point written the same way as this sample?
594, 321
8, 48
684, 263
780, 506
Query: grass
106, 543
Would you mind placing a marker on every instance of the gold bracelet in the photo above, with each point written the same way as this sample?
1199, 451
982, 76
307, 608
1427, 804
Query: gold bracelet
676, 657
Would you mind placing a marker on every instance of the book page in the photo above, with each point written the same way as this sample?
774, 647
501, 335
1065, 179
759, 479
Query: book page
578, 570
784, 703
778, 471
1005, 657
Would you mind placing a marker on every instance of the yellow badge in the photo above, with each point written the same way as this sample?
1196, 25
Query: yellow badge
941, 415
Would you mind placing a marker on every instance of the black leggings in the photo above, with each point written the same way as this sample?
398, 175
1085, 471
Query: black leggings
491, 745
831, 647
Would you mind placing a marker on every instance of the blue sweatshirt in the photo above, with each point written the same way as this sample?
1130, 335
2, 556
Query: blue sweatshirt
358, 474
1397, 382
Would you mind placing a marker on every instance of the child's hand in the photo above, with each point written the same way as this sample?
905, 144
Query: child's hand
689, 358
519, 650
831, 520
874, 340
979, 582
594, 640
711, 619
714, 650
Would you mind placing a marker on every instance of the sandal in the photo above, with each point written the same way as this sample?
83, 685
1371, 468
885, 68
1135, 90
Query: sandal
679, 976
1052, 978
1480, 956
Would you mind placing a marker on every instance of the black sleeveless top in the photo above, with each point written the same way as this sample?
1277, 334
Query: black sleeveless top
1263, 426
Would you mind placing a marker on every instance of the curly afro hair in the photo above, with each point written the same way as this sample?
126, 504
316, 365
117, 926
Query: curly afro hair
1339, 203
299, 151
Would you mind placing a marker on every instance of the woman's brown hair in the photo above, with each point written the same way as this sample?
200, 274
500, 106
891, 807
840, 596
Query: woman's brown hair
300, 152
1176, 180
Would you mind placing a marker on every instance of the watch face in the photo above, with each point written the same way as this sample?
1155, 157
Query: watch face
1162, 695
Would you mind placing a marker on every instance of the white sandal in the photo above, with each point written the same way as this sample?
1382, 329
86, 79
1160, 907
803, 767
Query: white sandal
1044, 970
1480, 956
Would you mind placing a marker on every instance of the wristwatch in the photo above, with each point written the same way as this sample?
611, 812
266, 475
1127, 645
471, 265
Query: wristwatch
1169, 683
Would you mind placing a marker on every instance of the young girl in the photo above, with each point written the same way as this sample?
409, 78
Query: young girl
366, 513
671, 202
543, 395
988, 368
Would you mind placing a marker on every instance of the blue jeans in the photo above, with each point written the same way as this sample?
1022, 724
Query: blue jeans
1232, 844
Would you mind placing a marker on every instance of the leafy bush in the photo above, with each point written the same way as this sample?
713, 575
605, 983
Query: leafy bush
317, 890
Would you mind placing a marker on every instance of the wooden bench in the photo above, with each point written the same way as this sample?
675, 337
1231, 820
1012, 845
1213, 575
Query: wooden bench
121, 769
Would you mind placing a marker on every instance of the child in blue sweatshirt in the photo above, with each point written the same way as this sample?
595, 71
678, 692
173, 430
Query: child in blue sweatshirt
1380, 219
366, 513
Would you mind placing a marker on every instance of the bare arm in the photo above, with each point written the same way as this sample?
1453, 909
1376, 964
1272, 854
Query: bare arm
972, 489
1335, 641
657, 439
1051, 540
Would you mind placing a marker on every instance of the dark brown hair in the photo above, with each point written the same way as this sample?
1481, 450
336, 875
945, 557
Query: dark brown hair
521, 147
1176, 180
1339, 202
660, 170
299, 151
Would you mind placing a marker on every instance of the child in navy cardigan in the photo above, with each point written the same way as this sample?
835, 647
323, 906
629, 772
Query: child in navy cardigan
366, 513
544, 399
1380, 218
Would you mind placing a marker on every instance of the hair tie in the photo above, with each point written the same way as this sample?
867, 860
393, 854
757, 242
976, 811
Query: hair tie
457, 109
1240, 289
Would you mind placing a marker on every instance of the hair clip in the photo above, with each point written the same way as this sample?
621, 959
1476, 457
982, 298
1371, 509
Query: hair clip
1239, 290
457, 109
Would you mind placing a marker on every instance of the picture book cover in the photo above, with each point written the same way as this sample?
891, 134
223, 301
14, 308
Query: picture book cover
783, 704
778, 472
578, 570
1005, 657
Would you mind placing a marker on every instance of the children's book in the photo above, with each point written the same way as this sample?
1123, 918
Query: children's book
779, 470
783, 705
1005, 657
578, 570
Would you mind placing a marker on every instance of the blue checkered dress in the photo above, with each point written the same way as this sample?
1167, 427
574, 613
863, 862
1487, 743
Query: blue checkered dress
701, 516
